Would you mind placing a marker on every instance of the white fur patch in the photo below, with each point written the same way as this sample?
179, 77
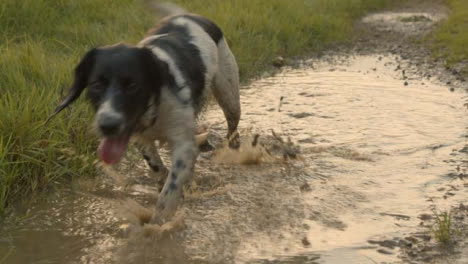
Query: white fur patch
206, 45
185, 94
106, 109
147, 40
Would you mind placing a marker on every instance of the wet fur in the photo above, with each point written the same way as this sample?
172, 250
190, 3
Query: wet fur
155, 90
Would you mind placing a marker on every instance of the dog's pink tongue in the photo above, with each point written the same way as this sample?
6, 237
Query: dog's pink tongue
112, 149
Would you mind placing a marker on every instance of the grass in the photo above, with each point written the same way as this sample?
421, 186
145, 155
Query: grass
260, 30
42, 40
443, 230
451, 37
415, 19
5, 257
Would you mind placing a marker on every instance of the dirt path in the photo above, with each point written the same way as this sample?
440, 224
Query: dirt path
402, 32
354, 152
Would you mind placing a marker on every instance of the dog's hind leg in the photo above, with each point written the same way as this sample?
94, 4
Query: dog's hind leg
226, 91
151, 155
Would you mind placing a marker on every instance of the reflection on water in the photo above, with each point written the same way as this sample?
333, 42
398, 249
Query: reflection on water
373, 154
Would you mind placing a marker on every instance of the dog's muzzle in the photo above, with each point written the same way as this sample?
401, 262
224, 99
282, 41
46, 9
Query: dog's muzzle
114, 138
110, 124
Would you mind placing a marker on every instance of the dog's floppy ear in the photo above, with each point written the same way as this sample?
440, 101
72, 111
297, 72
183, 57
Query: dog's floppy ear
82, 72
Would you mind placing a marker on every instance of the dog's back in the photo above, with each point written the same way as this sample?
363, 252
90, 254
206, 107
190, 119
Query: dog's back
189, 45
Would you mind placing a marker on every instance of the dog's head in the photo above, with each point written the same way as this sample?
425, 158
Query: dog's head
121, 81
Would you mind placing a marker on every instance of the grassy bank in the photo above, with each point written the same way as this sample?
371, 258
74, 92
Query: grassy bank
42, 40
451, 38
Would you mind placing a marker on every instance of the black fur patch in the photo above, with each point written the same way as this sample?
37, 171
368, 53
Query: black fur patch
180, 164
173, 176
208, 26
185, 55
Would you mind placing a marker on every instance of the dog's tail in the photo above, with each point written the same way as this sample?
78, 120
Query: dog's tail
164, 8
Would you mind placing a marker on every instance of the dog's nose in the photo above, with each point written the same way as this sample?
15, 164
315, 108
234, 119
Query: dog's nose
110, 125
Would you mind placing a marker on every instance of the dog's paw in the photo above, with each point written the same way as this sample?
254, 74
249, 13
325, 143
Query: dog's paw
168, 201
234, 141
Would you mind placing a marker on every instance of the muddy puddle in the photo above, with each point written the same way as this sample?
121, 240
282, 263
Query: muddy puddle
372, 147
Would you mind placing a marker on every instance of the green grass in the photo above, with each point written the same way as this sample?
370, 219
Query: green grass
412, 19
42, 40
443, 230
260, 30
451, 38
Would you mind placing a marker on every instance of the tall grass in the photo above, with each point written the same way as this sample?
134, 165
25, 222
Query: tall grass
42, 40
451, 37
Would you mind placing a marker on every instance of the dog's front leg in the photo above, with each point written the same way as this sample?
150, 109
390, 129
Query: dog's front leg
184, 154
150, 153
182, 170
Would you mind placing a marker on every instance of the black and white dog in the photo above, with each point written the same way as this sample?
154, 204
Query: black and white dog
155, 90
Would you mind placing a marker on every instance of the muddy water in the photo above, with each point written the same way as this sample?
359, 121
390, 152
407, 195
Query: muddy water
370, 155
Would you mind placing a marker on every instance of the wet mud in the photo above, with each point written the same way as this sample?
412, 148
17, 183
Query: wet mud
343, 160
346, 158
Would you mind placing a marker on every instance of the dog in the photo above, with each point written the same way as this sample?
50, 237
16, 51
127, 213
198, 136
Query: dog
155, 90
